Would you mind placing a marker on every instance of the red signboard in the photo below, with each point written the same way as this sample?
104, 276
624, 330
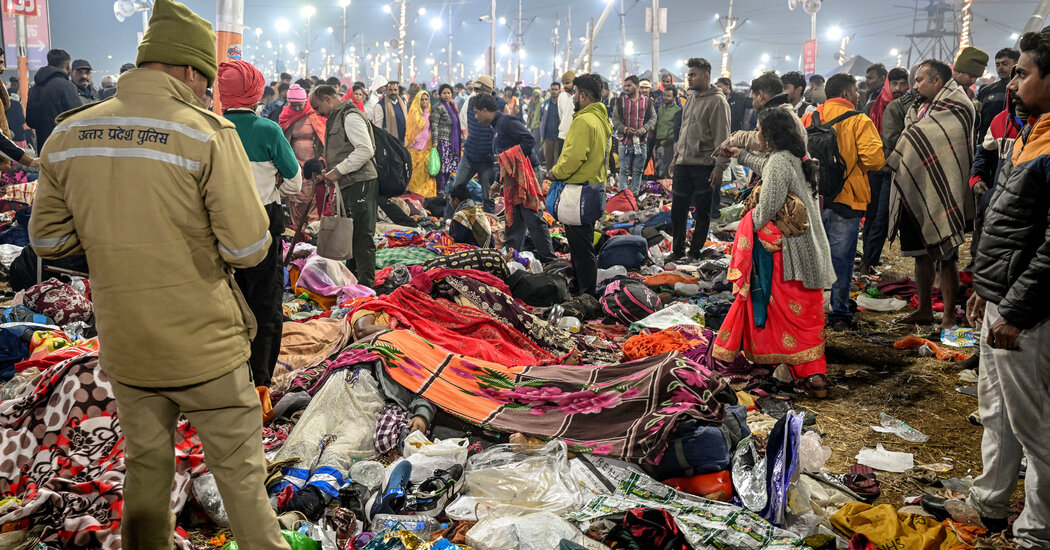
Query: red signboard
38, 33
809, 57
28, 8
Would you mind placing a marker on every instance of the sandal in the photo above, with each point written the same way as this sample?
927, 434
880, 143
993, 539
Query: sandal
861, 480
766, 388
815, 385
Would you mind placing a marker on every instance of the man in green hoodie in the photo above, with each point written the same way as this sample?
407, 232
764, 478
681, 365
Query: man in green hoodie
582, 162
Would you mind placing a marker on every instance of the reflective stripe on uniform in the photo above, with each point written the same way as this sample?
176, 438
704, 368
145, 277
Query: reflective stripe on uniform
193, 133
247, 251
119, 152
49, 243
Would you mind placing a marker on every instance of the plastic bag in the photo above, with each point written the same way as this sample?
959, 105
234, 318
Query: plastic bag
538, 531
207, 494
524, 477
295, 540
749, 475
781, 463
427, 457
880, 304
675, 314
887, 461
811, 454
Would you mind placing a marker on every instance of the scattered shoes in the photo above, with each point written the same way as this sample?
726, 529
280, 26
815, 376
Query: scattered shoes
957, 509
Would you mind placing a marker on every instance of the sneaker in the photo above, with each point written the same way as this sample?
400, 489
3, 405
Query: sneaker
390, 498
430, 497
674, 256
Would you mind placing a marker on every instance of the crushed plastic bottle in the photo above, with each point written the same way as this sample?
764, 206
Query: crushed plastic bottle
613, 271
902, 429
569, 323
422, 526
368, 473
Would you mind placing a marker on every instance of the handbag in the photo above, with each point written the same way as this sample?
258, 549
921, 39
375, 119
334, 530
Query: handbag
576, 204
792, 219
335, 240
434, 163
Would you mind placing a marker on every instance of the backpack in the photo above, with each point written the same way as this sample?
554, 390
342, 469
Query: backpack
17, 325
630, 251
698, 447
824, 148
393, 163
624, 201
629, 301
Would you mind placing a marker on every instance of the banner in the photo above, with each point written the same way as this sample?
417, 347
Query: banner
809, 57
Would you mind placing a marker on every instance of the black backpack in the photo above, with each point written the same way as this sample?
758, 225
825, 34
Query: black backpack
393, 163
824, 148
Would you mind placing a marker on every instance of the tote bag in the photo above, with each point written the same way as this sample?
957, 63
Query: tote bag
335, 240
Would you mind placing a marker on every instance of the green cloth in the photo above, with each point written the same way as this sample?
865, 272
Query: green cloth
665, 121
583, 157
408, 255
177, 36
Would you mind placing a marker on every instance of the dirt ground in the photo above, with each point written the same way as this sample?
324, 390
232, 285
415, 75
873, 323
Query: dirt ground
868, 377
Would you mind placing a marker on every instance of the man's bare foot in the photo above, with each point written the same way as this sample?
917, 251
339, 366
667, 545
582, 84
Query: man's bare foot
948, 321
917, 318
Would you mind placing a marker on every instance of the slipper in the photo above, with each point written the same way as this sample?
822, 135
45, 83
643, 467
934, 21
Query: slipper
861, 480
764, 388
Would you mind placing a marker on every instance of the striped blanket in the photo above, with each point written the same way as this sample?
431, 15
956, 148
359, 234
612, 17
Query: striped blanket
931, 166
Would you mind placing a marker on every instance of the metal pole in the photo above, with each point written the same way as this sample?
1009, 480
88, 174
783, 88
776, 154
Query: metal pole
590, 45
307, 47
402, 29
229, 23
623, 43
557, 26
450, 77
145, 24
492, 42
23, 59
1036, 21
517, 70
568, 41
342, 56
280, 47
656, 38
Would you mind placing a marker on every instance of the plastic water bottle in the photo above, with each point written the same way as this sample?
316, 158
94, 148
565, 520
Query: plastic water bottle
422, 526
637, 145
902, 429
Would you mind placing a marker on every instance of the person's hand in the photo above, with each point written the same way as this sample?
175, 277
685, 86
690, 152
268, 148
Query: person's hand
975, 310
1003, 335
716, 178
35, 163
980, 188
417, 424
332, 175
730, 152
670, 169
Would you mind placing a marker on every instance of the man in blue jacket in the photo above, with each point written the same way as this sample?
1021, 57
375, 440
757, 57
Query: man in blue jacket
477, 152
509, 131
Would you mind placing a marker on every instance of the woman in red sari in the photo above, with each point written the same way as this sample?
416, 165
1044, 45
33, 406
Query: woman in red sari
781, 262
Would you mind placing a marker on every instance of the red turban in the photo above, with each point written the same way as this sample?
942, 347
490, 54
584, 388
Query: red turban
240, 85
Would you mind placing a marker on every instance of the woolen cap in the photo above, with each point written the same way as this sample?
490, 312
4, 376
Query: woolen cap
485, 82
177, 36
971, 61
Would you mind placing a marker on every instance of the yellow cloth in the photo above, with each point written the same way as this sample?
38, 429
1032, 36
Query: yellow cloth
419, 142
886, 528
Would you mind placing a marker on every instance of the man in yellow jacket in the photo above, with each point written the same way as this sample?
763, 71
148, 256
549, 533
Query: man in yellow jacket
582, 162
861, 150
158, 193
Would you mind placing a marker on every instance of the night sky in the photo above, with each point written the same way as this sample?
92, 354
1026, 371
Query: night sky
88, 29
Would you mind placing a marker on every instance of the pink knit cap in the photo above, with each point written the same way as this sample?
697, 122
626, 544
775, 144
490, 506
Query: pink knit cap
296, 94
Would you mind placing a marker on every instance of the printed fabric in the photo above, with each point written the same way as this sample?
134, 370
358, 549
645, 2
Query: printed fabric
519, 182
794, 315
64, 458
627, 411
481, 259
59, 301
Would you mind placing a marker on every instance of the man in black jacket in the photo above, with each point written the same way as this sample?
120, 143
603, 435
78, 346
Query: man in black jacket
1011, 276
993, 96
53, 94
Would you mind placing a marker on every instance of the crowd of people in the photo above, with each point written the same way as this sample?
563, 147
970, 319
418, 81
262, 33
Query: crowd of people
925, 156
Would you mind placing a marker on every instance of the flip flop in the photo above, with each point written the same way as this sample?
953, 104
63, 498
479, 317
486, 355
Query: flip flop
861, 480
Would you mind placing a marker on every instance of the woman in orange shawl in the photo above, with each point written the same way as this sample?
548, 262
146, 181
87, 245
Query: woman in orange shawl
305, 130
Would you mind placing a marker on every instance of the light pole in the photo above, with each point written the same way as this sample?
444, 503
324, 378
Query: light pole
342, 45
309, 12
282, 27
